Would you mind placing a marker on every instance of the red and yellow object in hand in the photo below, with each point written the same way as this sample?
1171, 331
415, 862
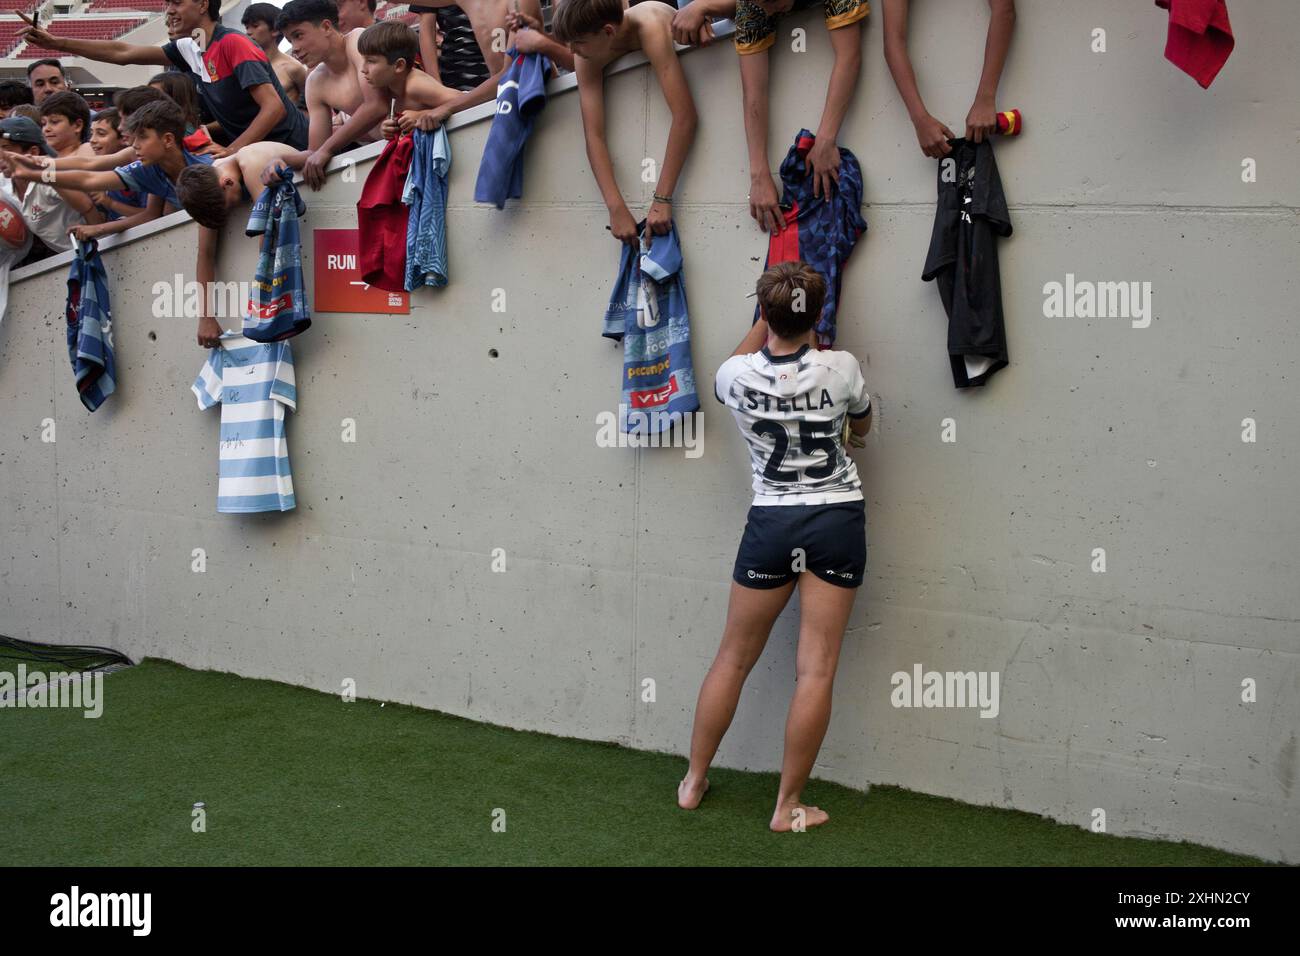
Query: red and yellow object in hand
1010, 123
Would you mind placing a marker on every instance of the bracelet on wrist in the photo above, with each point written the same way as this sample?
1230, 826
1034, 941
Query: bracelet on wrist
666, 200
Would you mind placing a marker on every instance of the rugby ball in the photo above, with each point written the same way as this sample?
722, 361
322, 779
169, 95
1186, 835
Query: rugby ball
13, 230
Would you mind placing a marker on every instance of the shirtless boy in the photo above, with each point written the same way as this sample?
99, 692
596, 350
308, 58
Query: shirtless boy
341, 108
388, 51
208, 194
259, 22
599, 32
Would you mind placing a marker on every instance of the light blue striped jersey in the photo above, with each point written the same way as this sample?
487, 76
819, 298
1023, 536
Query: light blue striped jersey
254, 383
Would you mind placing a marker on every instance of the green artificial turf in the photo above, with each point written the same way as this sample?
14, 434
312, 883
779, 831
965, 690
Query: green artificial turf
291, 777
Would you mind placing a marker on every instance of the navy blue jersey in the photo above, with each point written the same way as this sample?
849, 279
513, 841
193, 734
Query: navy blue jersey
818, 230
90, 327
521, 94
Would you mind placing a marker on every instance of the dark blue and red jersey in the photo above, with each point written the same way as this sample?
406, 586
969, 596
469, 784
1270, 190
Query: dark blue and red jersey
818, 230
224, 72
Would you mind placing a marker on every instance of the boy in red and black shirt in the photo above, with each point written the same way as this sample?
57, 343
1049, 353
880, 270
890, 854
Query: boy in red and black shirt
232, 75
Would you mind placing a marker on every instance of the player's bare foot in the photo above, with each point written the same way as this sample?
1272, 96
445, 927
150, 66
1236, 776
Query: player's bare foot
690, 793
783, 821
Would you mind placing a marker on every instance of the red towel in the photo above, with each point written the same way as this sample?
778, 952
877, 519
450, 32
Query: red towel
381, 217
1200, 37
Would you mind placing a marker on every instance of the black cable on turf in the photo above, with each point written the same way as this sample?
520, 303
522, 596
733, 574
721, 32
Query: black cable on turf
76, 656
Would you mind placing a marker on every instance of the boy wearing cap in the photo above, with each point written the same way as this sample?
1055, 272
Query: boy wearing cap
50, 211
156, 133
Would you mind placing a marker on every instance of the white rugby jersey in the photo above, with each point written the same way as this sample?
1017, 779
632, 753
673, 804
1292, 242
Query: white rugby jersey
791, 409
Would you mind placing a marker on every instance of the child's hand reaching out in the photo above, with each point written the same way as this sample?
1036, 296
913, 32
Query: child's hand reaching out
517, 20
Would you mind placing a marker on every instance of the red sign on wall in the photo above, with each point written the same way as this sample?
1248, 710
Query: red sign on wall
338, 279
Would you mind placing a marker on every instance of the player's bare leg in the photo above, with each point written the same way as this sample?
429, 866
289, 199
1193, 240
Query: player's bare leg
823, 615
750, 616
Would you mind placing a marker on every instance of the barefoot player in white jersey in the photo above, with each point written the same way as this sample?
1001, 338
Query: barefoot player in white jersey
807, 526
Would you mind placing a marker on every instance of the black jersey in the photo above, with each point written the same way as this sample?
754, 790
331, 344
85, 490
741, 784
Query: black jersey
970, 216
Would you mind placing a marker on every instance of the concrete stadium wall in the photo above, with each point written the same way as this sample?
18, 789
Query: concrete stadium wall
1119, 690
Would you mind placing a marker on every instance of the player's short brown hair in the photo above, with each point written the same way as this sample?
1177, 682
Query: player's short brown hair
791, 294
391, 39
199, 189
575, 19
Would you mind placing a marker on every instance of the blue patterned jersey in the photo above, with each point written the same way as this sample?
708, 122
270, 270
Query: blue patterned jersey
647, 311
426, 195
90, 327
818, 230
277, 308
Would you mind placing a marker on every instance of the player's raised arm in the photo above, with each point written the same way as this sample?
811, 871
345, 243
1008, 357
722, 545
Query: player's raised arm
754, 339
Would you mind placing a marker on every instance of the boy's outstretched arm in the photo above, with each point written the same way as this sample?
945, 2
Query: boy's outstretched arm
269, 173
824, 157
107, 162
105, 51
982, 120
79, 202
658, 47
372, 111
82, 180
591, 100
763, 203
152, 210
535, 39
932, 135
693, 23
205, 271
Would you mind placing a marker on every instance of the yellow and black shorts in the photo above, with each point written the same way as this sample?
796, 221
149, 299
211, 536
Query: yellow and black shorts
756, 31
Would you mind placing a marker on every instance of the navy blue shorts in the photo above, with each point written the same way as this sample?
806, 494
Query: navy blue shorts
780, 541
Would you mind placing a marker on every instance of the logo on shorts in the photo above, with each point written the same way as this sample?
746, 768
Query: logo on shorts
765, 577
